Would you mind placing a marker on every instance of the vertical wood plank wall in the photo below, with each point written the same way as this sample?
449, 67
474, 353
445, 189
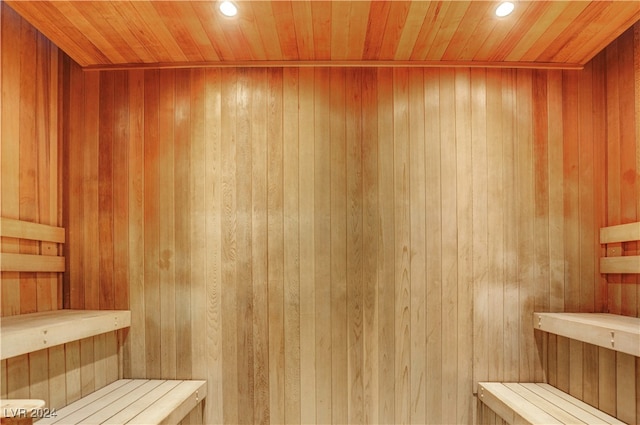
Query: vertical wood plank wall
31, 190
29, 156
601, 377
327, 244
347, 246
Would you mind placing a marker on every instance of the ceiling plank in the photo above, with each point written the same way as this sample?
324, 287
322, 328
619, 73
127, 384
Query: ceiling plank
475, 27
155, 26
429, 30
101, 33
418, 12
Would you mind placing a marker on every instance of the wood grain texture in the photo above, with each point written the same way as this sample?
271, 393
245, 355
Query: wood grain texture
598, 375
620, 233
616, 332
533, 403
34, 178
262, 127
29, 153
138, 401
289, 158
135, 32
23, 334
33, 231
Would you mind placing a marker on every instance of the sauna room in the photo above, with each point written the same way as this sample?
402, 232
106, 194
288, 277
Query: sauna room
320, 212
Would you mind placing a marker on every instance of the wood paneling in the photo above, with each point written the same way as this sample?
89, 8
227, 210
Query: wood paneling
347, 232
601, 377
623, 151
623, 186
29, 135
365, 244
62, 374
32, 190
104, 33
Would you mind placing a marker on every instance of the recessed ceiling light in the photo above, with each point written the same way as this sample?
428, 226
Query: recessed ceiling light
229, 9
504, 9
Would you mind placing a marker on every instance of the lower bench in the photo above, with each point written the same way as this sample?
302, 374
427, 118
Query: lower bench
133, 401
525, 403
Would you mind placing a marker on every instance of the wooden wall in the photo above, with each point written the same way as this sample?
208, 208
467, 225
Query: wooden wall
331, 245
32, 190
601, 377
29, 161
326, 244
623, 156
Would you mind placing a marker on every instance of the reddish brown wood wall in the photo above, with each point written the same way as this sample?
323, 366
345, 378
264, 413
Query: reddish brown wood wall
623, 156
31, 164
364, 244
601, 377
29, 160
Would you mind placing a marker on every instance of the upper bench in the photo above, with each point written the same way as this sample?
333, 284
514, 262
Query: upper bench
26, 333
619, 333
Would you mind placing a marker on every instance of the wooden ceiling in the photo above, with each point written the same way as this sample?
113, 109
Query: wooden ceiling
112, 34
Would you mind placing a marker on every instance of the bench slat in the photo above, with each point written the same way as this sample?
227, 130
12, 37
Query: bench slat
179, 401
552, 409
133, 401
626, 265
537, 404
620, 233
503, 400
80, 416
10, 262
147, 401
21, 229
123, 401
578, 408
62, 414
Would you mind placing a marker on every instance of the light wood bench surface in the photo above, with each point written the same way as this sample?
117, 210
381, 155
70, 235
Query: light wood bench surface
134, 401
619, 333
529, 403
27, 333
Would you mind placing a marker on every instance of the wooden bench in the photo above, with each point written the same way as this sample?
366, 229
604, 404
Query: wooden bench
26, 333
618, 333
134, 401
529, 403
615, 332
125, 401
138, 401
